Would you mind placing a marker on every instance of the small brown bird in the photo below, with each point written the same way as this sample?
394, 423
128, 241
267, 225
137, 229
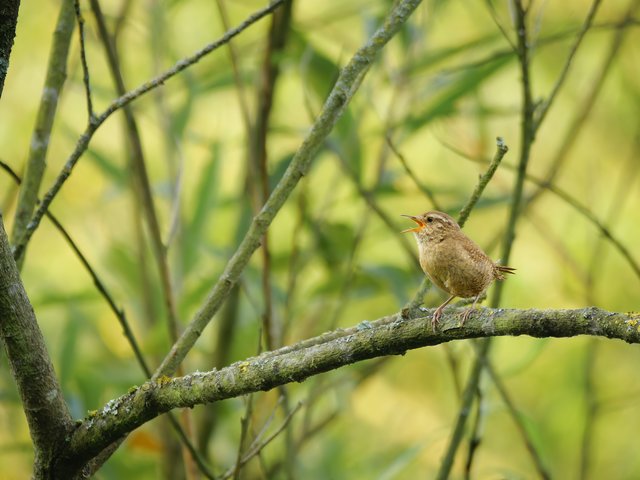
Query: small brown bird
453, 261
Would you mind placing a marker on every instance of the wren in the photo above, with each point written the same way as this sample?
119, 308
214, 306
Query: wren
453, 261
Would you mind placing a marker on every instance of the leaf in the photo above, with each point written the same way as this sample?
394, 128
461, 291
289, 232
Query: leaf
444, 101
402, 459
205, 201
114, 172
68, 351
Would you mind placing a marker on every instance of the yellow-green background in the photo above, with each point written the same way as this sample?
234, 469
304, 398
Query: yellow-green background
440, 83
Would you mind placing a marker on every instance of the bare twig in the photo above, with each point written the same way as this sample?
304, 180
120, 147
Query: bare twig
85, 66
423, 188
39, 144
544, 108
257, 448
259, 158
592, 407
496, 20
540, 467
235, 67
100, 286
475, 436
501, 151
463, 412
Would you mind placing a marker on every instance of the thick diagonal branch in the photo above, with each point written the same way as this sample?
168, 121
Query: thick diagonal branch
344, 88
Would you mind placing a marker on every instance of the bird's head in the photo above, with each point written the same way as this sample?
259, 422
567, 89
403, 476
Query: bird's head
431, 225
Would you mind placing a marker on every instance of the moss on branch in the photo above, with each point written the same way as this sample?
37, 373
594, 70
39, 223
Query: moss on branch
390, 335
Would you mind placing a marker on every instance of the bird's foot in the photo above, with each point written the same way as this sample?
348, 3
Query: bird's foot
436, 317
465, 315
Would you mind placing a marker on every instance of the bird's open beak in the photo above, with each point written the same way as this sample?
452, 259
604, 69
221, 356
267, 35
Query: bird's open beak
414, 229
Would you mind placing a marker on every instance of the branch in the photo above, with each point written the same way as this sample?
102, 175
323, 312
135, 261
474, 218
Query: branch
39, 145
83, 61
42, 399
8, 21
544, 108
338, 99
390, 335
501, 151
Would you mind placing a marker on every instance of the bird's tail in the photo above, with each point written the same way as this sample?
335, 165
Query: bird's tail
502, 269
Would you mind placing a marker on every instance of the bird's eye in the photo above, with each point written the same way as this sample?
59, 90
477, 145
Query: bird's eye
429, 219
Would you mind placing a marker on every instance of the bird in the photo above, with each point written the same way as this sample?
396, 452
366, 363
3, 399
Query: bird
453, 262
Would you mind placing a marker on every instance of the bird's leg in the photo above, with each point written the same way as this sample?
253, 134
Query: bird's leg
469, 310
438, 313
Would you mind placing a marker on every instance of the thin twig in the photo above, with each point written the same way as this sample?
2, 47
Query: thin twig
85, 66
501, 151
586, 105
544, 108
370, 199
47, 108
235, 68
592, 407
496, 20
542, 470
423, 188
475, 437
463, 412
259, 159
255, 450
244, 430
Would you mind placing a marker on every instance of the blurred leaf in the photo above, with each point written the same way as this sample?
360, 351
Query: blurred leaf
320, 73
317, 70
334, 240
345, 140
205, 201
390, 278
69, 340
402, 459
444, 101
278, 170
184, 112
432, 57
114, 172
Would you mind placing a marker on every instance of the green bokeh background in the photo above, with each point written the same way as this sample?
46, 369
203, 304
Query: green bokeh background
446, 84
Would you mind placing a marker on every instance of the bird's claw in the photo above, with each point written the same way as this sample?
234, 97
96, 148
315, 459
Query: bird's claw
436, 318
465, 315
